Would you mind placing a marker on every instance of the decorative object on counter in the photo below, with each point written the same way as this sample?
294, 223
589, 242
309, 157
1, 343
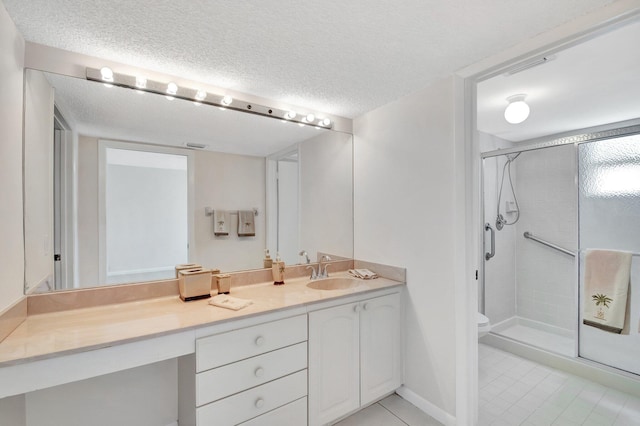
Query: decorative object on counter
220, 223
268, 261
223, 281
186, 266
229, 302
363, 274
194, 284
246, 223
277, 269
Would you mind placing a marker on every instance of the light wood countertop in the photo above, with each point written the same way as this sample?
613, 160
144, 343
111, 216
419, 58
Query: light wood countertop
59, 333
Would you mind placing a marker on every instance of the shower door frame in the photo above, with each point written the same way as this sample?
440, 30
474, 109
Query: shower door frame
575, 138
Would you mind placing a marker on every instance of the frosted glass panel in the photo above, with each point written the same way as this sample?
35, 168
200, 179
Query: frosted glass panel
609, 200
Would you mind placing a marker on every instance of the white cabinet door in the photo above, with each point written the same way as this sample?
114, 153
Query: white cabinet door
334, 373
380, 347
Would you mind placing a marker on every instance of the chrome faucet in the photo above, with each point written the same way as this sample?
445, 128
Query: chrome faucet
323, 273
314, 274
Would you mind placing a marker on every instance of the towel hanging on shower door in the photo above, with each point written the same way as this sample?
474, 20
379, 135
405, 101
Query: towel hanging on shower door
606, 288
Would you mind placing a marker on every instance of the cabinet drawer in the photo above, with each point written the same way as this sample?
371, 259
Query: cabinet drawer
294, 414
225, 348
253, 402
215, 384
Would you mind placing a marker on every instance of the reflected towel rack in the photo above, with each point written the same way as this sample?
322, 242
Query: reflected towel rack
208, 211
530, 236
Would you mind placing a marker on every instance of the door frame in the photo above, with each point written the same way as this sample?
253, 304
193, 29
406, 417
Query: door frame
468, 161
103, 145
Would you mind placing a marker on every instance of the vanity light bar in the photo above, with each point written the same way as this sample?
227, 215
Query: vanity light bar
171, 90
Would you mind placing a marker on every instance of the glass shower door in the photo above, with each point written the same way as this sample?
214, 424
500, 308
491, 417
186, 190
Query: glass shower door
609, 219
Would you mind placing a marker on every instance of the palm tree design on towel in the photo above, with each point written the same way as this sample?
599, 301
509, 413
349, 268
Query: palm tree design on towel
604, 300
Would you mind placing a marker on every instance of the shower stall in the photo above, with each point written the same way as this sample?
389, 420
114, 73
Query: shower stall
545, 206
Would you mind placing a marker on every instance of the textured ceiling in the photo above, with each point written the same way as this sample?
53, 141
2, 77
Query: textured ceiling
335, 56
590, 84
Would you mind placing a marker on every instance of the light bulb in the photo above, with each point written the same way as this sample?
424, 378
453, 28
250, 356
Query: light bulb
141, 82
201, 95
310, 118
172, 88
517, 111
226, 100
106, 73
325, 122
290, 115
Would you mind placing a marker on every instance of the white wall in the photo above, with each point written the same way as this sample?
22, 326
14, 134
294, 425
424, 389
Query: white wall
11, 103
287, 214
13, 411
38, 201
326, 194
87, 223
229, 182
546, 190
405, 182
142, 396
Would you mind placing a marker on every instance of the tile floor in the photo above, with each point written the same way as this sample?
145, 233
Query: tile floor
515, 391
391, 411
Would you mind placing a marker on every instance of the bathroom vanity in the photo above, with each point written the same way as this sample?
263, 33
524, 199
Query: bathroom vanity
295, 347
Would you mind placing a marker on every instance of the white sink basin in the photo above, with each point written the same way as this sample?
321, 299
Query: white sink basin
337, 283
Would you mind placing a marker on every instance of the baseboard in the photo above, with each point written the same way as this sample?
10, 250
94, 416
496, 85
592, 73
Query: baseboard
431, 409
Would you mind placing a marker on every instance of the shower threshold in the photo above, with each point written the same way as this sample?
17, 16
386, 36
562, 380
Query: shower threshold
540, 335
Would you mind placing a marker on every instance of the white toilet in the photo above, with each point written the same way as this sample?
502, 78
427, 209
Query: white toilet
484, 325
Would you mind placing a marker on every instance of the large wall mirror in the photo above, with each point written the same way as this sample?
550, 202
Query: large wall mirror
116, 190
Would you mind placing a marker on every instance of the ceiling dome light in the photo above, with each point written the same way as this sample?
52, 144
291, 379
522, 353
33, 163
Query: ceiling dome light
107, 74
290, 115
226, 100
201, 95
141, 82
517, 111
310, 118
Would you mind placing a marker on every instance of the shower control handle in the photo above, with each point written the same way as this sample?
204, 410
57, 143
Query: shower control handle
487, 256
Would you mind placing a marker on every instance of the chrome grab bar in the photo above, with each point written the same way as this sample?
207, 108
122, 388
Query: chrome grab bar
487, 227
530, 236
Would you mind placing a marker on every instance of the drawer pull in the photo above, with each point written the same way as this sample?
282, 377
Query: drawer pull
259, 403
356, 308
259, 341
259, 372
365, 306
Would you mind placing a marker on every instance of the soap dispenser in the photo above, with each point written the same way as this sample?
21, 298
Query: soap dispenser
277, 270
268, 262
